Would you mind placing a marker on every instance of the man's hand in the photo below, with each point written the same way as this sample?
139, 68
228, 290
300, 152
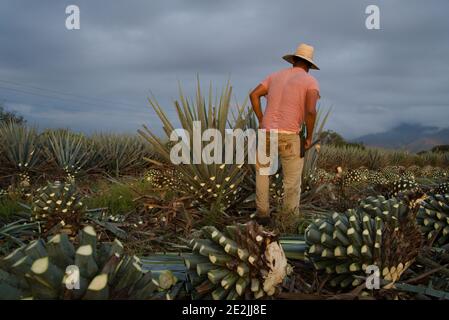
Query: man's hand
255, 101
311, 99
308, 144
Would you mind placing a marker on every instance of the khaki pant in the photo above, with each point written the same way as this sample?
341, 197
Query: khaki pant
292, 165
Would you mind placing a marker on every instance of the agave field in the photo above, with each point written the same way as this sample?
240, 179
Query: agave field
138, 227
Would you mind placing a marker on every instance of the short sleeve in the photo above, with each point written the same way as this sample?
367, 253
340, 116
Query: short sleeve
266, 82
313, 85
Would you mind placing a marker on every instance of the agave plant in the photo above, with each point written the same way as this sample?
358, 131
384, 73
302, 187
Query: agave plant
312, 155
161, 178
242, 262
354, 177
399, 158
403, 185
58, 205
210, 183
375, 158
442, 188
348, 157
57, 269
69, 152
433, 217
119, 154
381, 232
413, 170
392, 173
19, 146
376, 178
14, 234
439, 174
170, 273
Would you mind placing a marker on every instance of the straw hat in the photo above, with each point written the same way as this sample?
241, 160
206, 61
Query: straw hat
305, 52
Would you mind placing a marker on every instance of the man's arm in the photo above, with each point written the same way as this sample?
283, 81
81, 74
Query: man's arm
254, 96
312, 97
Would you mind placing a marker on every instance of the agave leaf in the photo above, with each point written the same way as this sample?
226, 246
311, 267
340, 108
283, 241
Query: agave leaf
13, 234
19, 146
311, 156
120, 153
70, 152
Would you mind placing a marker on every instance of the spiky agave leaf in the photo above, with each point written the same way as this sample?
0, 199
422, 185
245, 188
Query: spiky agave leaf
69, 151
120, 153
45, 270
433, 217
19, 145
58, 204
242, 262
375, 158
15, 233
345, 244
312, 155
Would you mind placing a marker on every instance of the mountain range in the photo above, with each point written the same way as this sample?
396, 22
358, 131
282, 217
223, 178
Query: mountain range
407, 136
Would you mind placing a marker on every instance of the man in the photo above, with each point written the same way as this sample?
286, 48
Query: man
291, 96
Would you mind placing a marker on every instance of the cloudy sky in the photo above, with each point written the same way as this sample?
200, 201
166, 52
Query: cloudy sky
98, 77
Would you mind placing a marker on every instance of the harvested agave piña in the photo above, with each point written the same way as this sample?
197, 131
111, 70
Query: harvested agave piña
403, 185
353, 177
392, 173
433, 217
391, 209
58, 204
381, 233
45, 270
242, 262
442, 188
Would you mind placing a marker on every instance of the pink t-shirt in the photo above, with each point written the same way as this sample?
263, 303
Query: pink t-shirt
286, 99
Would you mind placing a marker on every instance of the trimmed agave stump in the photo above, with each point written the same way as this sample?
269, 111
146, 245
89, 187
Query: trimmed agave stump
381, 232
433, 216
59, 207
403, 185
45, 270
443, 188
242, 262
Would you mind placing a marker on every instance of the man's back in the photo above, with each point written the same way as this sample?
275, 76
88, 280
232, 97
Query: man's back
286, 98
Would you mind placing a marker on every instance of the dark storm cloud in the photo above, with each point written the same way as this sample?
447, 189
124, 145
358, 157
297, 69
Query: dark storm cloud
372, 79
